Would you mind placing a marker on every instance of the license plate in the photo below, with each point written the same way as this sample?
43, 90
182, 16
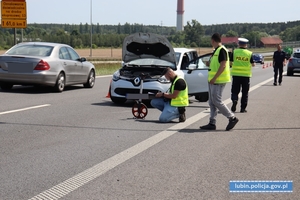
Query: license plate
20, 67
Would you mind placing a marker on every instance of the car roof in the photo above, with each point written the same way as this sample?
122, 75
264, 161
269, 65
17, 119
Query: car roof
43, 43
183, 50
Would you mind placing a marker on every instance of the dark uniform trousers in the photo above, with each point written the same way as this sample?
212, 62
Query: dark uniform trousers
276, 69
239, 82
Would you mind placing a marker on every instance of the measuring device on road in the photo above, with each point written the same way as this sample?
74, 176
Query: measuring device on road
139, 109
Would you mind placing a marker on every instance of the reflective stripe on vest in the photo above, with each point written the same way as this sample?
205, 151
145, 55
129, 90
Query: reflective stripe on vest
215, 65
241, 65
183, 98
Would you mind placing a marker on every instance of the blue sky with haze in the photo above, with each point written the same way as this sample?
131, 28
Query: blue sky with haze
160, 12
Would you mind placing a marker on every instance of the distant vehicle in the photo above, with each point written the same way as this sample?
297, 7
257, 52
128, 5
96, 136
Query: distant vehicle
149, 54
293, 65
288, 52
258, 58
42, 63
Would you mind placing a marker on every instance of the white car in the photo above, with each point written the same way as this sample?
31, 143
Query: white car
195, 71
145, 56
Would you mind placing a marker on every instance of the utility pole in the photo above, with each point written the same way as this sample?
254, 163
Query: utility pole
91, 50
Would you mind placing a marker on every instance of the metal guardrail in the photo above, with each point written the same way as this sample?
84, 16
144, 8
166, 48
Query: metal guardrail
99, 62
271, 53
294, 44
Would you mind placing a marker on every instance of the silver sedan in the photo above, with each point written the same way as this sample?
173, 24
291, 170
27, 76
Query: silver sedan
42, 63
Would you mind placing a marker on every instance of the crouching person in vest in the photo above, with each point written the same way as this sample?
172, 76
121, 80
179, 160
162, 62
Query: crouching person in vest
172, 104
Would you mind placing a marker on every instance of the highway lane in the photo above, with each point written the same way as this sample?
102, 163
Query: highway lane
43, 147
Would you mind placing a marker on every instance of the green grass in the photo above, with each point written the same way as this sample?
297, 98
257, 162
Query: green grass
106, 68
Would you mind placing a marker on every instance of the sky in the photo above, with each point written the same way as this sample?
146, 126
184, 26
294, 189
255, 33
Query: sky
160, 12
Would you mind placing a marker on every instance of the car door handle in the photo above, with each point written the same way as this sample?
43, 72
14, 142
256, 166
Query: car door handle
65, 63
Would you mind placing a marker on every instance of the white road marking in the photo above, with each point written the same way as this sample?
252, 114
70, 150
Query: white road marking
66, 187
23, 109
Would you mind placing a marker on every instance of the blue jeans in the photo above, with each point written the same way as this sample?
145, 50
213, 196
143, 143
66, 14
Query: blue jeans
215, 102
168, 112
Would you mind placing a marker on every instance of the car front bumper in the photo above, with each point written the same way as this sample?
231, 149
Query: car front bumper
121, 87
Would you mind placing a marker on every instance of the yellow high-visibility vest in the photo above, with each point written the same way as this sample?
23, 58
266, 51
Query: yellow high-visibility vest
215, 65
241, 65
183, 98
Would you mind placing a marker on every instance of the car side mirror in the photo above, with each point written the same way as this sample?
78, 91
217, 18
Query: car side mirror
192, 66
82, 59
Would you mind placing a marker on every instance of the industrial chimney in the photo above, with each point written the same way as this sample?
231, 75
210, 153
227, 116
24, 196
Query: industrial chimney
180, 12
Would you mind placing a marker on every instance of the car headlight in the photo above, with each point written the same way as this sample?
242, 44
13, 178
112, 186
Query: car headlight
163, 80
116, 75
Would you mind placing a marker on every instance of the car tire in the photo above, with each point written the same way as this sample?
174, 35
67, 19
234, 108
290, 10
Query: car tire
6, 86
118, 100
60, 82
202, 97
91, 80
289, 73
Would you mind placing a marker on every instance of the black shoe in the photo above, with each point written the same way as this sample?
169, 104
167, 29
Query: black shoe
232, 122
243, 110
182, 117
208, 127
275, 84
279, 83
233, 107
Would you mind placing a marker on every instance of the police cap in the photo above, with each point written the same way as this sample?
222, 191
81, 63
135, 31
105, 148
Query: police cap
243, 41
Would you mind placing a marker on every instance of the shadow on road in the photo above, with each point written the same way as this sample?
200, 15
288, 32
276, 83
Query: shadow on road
128, 103
80, 127
236, 129
38, 89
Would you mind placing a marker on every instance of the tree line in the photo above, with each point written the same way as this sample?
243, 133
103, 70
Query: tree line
193, 35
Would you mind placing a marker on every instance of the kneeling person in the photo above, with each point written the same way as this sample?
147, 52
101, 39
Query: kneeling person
172, 104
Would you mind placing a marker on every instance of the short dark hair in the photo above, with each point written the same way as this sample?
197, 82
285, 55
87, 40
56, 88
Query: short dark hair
165, 71
216, 37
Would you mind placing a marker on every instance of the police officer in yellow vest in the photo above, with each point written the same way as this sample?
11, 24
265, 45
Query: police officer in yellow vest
218, 76
172, 104
241, 71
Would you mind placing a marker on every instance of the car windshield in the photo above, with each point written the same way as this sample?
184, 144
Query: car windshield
296, 55
177, 54
151, 62
31, 50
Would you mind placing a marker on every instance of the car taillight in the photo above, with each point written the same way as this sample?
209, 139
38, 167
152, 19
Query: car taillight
42, 65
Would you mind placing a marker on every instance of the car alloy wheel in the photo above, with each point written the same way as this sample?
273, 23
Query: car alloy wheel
60, 83
91, 80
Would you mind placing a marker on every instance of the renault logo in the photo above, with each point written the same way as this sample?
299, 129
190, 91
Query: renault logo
137, 81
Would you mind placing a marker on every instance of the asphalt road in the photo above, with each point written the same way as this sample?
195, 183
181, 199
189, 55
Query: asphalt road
79, 145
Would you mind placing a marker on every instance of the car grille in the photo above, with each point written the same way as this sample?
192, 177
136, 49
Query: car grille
124, 91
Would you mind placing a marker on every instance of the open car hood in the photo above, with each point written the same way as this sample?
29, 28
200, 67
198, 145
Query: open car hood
147, 45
